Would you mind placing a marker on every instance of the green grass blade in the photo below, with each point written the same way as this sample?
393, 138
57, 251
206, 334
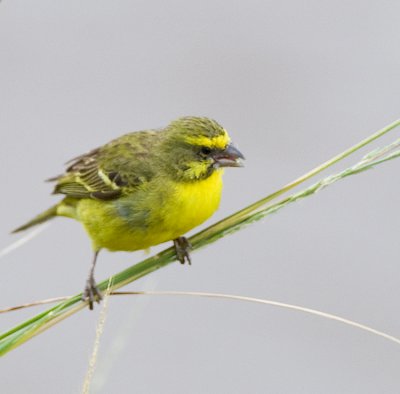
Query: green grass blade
39, 323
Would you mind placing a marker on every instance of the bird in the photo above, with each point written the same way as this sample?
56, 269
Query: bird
145, 188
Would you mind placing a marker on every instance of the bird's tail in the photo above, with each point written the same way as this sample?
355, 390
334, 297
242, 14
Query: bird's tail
42, 217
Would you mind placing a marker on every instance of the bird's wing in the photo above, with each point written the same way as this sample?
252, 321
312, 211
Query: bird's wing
104, 173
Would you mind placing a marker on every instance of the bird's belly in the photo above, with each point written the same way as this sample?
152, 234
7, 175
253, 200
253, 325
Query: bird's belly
130, 224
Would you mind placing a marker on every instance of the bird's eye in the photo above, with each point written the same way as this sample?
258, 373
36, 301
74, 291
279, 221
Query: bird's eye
205, 150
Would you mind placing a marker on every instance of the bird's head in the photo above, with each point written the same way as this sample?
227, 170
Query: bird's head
195, 147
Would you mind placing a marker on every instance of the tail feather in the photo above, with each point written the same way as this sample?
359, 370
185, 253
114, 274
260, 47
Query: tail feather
42, 217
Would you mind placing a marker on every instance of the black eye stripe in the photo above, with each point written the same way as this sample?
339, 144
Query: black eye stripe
205, 150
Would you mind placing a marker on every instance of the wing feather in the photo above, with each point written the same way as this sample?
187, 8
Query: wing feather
104, 173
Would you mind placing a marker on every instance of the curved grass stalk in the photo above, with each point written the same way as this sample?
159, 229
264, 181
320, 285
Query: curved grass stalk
32, 327
277, 304
231, 297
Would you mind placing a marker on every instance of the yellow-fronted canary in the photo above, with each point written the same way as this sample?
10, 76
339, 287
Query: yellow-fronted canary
145, 188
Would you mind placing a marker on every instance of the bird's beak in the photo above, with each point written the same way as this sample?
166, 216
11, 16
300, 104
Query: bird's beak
229, 157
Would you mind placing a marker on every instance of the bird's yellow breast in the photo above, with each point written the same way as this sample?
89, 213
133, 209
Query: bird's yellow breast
193, 203
160, 213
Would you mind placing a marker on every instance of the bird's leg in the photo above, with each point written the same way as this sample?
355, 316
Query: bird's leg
91, 293
182, 249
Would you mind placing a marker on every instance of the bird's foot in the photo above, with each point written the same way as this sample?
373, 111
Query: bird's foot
91, 292
182, 249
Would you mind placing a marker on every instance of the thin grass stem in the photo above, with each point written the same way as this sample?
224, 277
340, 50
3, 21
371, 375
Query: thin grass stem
254, 212
231, 297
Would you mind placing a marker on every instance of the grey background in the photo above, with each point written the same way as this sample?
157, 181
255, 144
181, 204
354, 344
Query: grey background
294, 82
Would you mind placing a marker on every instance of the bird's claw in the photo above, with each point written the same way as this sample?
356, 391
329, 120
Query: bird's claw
91, 293
182, 250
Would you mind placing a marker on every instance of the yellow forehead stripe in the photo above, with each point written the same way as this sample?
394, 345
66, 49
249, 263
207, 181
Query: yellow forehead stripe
219, 142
